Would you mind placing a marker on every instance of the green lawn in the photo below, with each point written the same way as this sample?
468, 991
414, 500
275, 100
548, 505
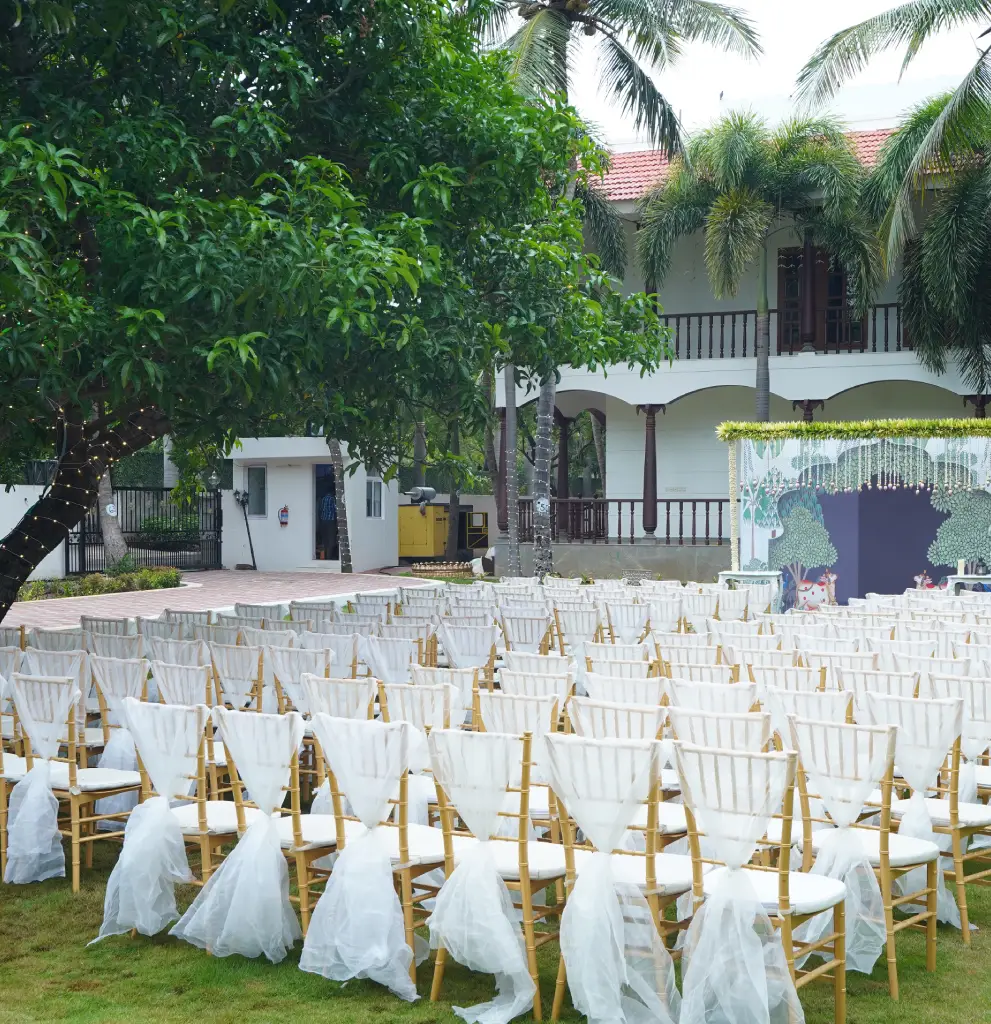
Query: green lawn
48, 974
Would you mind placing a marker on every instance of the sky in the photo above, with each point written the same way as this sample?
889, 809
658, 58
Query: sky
790, 31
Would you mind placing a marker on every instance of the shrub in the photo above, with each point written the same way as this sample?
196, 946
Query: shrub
155, 578
122, 566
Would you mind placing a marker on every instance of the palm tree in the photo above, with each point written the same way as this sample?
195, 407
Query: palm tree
945, 285
741, 182
946, 135
633, 38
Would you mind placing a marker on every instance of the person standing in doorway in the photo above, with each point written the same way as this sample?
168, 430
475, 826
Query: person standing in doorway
328, 520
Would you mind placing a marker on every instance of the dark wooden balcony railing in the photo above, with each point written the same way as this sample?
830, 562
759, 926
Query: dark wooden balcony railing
620, 520
733, 334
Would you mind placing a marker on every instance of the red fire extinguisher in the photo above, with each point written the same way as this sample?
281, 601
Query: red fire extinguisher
284, 515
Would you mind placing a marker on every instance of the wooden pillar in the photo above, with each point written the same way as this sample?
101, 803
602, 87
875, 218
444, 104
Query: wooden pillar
808, 406
807, 325
502, 511
650, 468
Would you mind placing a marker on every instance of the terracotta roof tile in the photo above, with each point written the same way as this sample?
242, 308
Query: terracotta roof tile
633, 173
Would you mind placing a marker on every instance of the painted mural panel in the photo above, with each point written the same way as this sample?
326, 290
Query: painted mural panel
843, 518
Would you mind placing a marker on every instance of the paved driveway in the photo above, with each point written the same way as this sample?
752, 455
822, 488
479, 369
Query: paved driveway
206, 590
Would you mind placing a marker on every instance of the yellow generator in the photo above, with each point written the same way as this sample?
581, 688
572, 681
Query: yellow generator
422, 531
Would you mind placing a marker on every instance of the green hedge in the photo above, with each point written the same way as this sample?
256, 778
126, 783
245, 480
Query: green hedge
852, 430
155, 578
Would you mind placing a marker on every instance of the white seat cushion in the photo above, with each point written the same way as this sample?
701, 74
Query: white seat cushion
318, 830
221, 817
7, 726
673, 871
981, 771
809, 894
92, 780
14, 767
670, 818
670, 782
545, 860
939, 810
903, 851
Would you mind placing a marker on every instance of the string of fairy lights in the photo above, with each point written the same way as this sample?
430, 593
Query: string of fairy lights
113, 446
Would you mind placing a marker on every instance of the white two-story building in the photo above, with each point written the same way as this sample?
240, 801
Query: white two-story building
660, 428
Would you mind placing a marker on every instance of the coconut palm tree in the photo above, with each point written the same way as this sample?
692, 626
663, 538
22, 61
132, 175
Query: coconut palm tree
947, 135
632, 38
741, 182
945, 283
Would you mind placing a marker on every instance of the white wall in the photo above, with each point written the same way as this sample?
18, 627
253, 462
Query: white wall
290, 481
13, 504
692, 462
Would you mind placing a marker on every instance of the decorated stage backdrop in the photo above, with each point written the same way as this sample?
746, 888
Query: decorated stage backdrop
843, 516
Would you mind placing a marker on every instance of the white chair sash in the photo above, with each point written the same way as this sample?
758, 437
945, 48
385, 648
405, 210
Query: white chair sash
244, 907
357, 929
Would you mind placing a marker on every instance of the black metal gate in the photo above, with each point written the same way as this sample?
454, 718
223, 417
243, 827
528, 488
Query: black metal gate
158, 531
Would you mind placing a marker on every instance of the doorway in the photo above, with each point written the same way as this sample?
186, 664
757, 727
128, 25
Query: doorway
325, 547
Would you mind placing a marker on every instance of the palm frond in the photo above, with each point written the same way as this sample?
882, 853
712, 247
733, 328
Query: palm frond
848, 52
490, 20
668, 213
735, 230
604, 227
732, 149
853, 242
541, 54
637, 94
727, 28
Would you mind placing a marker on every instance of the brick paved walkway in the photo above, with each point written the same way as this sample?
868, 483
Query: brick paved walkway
207, 590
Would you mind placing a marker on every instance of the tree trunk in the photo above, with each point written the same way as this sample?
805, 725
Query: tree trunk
543, 551
491, 461
343, 536
419, 453
86, 448
763, 341
599, 440
454, 505
512, 479
114, 545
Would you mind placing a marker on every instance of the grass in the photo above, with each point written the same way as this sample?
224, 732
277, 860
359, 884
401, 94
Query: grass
48, 974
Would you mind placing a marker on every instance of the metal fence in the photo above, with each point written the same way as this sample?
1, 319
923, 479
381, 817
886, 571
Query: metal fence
158, 531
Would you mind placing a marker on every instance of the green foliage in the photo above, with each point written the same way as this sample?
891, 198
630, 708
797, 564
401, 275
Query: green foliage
938, 136
122, 567
853, 429
805, 542
966, 534
632, 40
741, 180
143, 469
156, 578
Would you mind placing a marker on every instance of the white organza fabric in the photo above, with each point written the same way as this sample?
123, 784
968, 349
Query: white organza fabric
539, 664
749, 731
389, 660
289, 664
729, 698
734, 967
339, 698
844, 764
34, 845
473, 917
467, 646
926, 731
664, 614
525, 632
535, 684
357, 928
975, 738
637, 669
627, 622
141, 888
177, 652
625, 691
244, 907
113, 645
119, 679
599, 719
236, 670
502, 712
618, 968
344, 649
183, 684
818, 706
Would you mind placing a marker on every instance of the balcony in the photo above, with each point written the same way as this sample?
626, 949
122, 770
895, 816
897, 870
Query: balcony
732, 334
680, 522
